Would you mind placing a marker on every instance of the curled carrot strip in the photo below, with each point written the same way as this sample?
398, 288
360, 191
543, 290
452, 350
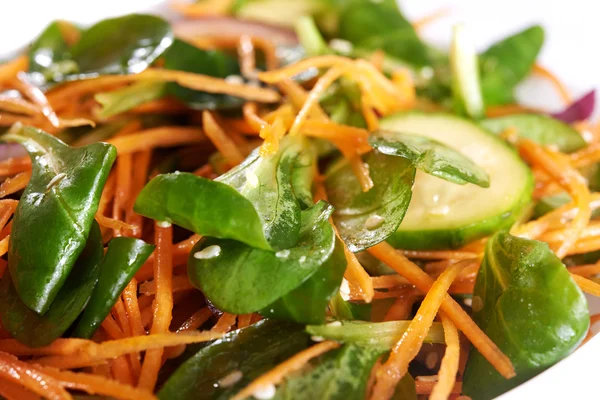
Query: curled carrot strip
450, 362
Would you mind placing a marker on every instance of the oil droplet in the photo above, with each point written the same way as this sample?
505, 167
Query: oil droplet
208, 252
374, 222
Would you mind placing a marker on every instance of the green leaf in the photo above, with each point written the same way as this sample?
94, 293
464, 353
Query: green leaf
36, 330
125, 99
267, 183
307, 303
400, 46
541, 129
185, 57
345, 310
365, 219
507, 62
49, 55
379, 335
526, 302
341, 374
551, 203
123, 259
252, 351
430, 156
58, 206
202, 206
123, 45
304, 172
309, 36
240, 279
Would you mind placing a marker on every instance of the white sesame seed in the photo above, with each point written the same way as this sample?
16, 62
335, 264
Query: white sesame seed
163, 224
231, 379
265, 392
335, 323
345, 290
317, 338
208, 252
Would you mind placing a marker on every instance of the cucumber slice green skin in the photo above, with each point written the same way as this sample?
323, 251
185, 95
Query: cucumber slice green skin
414, 235
541, 129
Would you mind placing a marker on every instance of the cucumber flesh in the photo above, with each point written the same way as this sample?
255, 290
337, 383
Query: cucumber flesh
445, 215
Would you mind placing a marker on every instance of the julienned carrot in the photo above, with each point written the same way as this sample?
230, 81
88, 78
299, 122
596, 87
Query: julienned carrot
220, 140
10, 69
203, 9
179, 283
428, 19
58, 347
251, 117
12, 391
122, 187
139, 179
426, 387
118, 226
587, 285
194, 322
276, 375
13, 370
585, 270
4, 246
121, 371
224, 323
397, 261
125, 322
450, 362
96, 353
396, 366
132, 306
164, 136
112, 328
13, 166
402, 307
93, 384
301, 66
298, 96
244, 320
13, 185
163, 302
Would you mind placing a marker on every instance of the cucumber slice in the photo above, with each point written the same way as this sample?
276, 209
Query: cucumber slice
539, 128
445, 215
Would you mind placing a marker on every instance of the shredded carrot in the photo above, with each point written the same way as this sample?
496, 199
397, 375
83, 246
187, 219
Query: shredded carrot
377, 59
449, 366
164, 136
244, 320
38, 97
277, 374
224, 323
222, 142
402, 307
118, 226
509, 109
58, 347
571, 180
93, 384
13, 370
121, 371
251, 117
179, 283
15, 184
301, 66
586, 285
397, 261
247, 57
95, 353
139, 178
298, 96
132, 306
70, 33
18, 106
13, 166
196, 320
124, 321
163, 303
560, 87
421, 23
272, 134
585, 270
409, 345
12, 391
586, 156
4, 245
112, 328
10, 69
164, 105
426, 387
185, 246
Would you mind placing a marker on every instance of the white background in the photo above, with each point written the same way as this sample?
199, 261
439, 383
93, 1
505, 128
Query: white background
571, 50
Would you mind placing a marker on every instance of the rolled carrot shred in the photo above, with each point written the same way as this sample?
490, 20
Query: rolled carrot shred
450, 362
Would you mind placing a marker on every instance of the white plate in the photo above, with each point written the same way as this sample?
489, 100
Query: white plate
569, 51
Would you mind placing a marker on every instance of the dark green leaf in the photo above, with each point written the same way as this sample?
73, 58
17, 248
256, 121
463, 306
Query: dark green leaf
49, 54
526, 302
307, 303
507, 62
123, 45
240, 279
345, 310
365, 219
35, 330
203, 206
430, 156
379, 335
125, 99
341, 374
541, 129
267, 183
551, 203
122, 260
401, 46
185, 57
251, 351
58, 208
304, 172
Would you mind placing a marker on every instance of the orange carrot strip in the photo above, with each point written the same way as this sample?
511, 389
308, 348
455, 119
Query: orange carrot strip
296, 68
196, 320
298, 96
585, 270
10, 69
586, 156
111, 327
13, 391
58, 347
560, 87
132, 306
93, 384
397, 261
251, 117
220, 140
4, 245
421, 23
13, 370
18, 106
586, 285
163, 303
570, 179
185, 246
402, 307
123, 317
439, 254
272, 135
164, 136
118, 226
204, 8
122, 186
449, 366
277, 374
38, 97
244, 320
224, 323
121, 371
179, 283
95, 353
509, 109
388, 375
14, 165
426, 387
247, 57
13, 185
